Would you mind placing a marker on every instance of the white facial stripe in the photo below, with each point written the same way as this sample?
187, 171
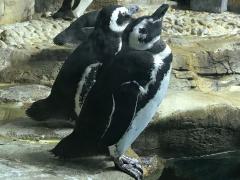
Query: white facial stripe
134, 35
113, 22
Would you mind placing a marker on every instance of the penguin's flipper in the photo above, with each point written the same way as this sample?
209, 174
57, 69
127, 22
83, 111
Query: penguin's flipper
124, 101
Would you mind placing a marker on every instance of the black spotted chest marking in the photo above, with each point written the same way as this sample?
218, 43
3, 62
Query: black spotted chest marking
89, 82
85, 85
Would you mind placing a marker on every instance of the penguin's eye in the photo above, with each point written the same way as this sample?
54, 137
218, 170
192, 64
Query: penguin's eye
124, 13
142, 30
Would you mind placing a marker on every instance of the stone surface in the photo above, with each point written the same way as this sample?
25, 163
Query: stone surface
187, 123
16, 10
193, 123
26, 156
216, 166
31, 160
23, 93
199, 116
216, 6
209, 64
24, 128
234, 5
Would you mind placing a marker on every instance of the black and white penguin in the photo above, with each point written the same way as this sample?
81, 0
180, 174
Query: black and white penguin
125, 97
72, 9
105, 41
81, 28
78, 31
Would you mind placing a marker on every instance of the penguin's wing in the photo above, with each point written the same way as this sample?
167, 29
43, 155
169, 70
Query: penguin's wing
125, 100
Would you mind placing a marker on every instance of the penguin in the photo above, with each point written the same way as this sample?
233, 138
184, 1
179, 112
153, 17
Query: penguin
72, 9
81, 28
78, 31
105, 41
124, 98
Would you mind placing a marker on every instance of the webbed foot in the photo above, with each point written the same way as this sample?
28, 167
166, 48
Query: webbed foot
66, 15
130, 166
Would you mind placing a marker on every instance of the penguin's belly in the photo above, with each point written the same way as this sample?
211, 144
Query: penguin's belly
143, 117
84, 85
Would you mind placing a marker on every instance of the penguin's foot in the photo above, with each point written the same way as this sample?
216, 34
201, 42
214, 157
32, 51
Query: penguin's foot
130, 166
66, 15
68, 147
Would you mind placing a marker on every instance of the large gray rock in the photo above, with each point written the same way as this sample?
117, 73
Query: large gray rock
206, 64
23, 93
193, 123
222, 166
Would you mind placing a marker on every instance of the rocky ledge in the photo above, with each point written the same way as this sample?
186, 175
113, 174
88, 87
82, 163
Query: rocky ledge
200, 115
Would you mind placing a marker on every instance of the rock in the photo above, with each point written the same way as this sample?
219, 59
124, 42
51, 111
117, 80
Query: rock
193, 123
24, 93
153, 165
199, 32
201, 22
3, 44
179, 29
36, 138
222, 166
15, 11
194, 31
21, 127
5, 55
234, 5
219, 62
32, 65
32, 160
216, 6
213, 63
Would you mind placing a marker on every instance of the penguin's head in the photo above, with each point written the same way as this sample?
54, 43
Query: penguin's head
115, 18
145, 31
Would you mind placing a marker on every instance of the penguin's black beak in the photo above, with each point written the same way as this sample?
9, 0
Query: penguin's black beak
132, 9
160, 12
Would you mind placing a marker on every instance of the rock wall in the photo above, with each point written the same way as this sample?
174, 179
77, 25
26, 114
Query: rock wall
15, 10
100, 3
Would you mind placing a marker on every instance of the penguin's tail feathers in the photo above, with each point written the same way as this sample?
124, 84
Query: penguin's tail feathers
41, 110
